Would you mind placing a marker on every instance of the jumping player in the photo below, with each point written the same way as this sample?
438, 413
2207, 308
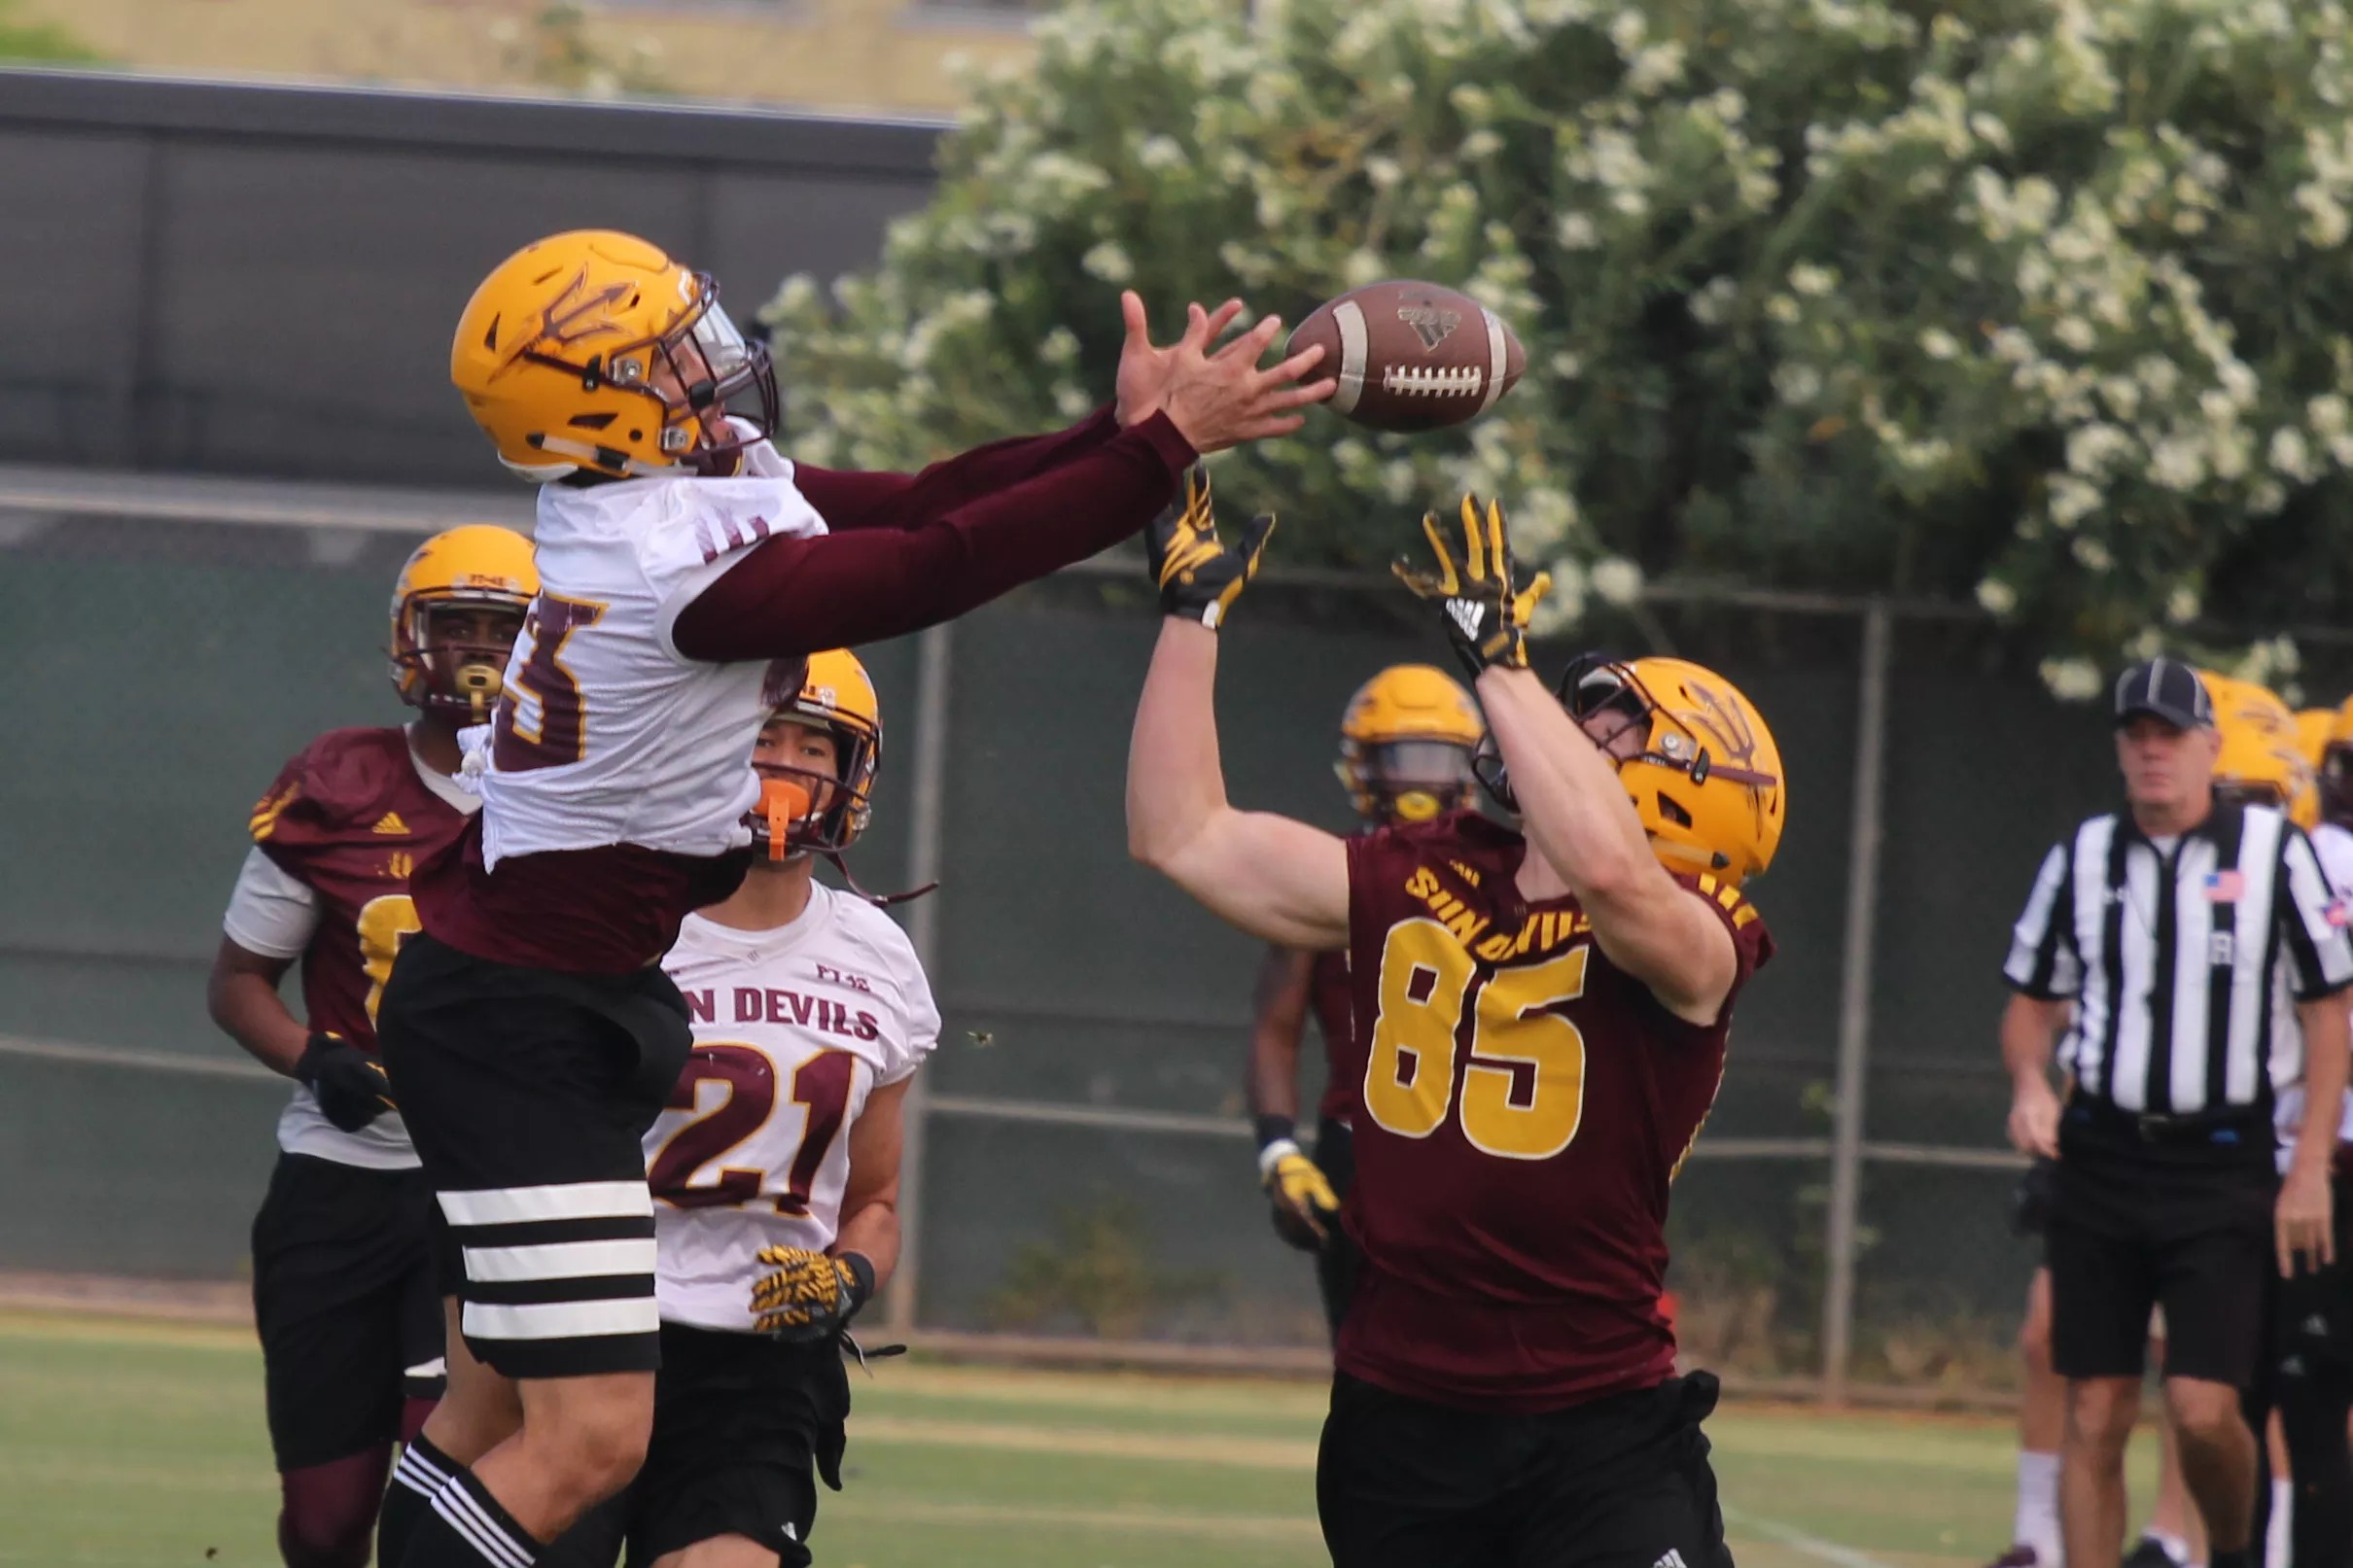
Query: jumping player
1406, 741
529, 1032
343, 1282
1543, 1020
775, 1168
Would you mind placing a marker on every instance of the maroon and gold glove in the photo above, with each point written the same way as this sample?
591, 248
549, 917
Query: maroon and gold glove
811, 1296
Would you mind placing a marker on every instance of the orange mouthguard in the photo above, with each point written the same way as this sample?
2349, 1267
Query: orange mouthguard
783, 802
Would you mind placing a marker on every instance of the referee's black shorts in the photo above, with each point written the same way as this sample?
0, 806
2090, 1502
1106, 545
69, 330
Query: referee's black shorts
527, 1093
2137, 1222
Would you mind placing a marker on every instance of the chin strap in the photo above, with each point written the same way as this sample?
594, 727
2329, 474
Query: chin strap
878, 901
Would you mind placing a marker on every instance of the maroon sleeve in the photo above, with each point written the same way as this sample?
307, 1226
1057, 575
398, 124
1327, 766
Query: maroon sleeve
793, 596
850, 500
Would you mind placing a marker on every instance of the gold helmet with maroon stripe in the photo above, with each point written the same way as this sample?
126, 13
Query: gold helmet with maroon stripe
800, 809
478, 567
2262, 760
1406, 742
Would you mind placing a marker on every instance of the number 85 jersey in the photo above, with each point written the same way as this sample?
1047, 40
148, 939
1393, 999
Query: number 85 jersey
1526, 1105
794, 1028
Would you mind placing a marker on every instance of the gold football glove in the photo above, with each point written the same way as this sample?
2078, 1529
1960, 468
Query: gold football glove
1486, 610
1305, 1204
810, 1295
1198, 576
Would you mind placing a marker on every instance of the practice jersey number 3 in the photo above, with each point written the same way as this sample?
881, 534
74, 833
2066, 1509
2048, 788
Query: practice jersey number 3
1426, 980
555, 732
821, 1086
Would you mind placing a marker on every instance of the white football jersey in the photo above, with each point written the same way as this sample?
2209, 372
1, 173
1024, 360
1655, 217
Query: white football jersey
608, 734
793, 1028
2334, 846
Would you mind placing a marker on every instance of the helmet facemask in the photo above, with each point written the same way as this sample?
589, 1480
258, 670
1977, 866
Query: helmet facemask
1408, 780
804, 809
460, 670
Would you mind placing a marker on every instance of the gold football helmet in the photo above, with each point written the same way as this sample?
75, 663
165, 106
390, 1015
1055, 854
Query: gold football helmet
1695, 756
1406, 742
479, 567
2262, 760
800, 811
592, 350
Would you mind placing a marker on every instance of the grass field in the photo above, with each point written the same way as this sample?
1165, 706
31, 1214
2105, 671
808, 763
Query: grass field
128, 1445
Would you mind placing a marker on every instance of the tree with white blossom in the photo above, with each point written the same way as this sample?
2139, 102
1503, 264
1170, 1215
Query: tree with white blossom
2044, 302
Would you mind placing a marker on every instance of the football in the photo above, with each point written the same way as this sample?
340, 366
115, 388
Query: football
1412, 356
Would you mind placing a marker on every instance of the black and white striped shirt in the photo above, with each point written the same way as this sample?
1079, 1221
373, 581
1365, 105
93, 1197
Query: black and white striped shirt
2184, 961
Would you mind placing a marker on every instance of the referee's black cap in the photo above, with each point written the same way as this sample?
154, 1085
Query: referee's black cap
2166, 688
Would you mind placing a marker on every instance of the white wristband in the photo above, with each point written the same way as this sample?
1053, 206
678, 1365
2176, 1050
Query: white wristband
1273, 1155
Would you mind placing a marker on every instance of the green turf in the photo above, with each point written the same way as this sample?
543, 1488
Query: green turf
128, 1446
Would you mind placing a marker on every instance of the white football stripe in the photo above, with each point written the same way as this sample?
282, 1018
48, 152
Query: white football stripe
1498, 360
1349, 316
466, 1517
563, 1200
561, 1320
560, 1260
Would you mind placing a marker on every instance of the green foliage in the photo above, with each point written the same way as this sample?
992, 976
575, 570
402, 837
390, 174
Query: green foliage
2045, 301
559, 48
40, 43
1094, 1274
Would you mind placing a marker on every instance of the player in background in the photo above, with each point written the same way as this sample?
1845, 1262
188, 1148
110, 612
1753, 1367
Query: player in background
775, 1168
2309, 1386
1544, 1019
530, 1033
1406, 741
344, 1295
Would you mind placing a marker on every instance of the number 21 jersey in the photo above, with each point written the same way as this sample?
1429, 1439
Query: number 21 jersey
795, 1028
1526, 1105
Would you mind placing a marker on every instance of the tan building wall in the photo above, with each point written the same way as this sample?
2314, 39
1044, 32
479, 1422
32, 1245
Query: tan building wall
891, 55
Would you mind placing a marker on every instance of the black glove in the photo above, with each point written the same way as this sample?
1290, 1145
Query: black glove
350, 1084
1486, 610
1198, 578
811, 1296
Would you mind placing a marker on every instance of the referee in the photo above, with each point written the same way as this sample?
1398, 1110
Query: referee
2184, 950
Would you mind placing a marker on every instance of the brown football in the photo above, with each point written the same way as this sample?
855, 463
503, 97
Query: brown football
1412, 356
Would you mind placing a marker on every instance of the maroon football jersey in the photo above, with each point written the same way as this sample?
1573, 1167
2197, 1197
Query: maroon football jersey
1328, 994
1524, 1106
350, 819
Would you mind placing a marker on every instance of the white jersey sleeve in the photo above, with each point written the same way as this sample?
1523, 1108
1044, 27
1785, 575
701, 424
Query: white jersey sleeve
272, 911
795, 1028
2333, 845
605, 733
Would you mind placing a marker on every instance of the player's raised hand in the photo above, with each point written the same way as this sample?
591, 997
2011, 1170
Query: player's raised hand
1198, 575
809, 1295
1216, 398
1485, 607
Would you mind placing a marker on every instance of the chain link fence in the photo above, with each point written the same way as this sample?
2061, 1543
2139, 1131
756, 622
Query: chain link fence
1080, 1169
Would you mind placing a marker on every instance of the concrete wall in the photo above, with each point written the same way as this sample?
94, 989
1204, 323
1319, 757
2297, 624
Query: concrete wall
262, 280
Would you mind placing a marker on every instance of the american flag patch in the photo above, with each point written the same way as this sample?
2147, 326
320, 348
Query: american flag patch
2224, 887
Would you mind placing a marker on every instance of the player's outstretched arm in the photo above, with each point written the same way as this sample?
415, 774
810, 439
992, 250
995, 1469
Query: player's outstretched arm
1272, 877
1576, 813
1573, 808
944, 548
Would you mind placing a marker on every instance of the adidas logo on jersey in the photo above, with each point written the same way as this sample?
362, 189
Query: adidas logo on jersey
1673, 1560
390, 822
